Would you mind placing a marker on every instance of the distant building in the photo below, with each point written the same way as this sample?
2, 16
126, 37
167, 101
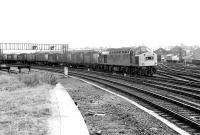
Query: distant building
196, 54
188, 59
193, 58
161, 51
161, 54
172, 58
179, 51
188, 52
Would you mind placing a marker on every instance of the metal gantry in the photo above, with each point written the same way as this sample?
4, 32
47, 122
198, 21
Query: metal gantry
31, 46
37, 47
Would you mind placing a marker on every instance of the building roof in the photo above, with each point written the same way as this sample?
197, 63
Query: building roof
161, 51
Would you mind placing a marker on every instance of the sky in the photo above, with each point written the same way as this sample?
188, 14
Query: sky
101, 23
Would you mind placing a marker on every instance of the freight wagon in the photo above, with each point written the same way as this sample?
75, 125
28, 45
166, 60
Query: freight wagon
31, 58
64, 59
84, 58
11, 58
41, 58
77, 59
53, 58
22, 58
4, 58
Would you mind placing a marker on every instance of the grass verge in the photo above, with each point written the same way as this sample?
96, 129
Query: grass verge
25, 105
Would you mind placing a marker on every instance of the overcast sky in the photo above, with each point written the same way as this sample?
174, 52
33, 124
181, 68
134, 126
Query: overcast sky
111, 23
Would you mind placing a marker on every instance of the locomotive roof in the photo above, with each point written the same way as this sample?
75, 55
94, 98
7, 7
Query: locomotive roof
123, 48
127, 48
137, 50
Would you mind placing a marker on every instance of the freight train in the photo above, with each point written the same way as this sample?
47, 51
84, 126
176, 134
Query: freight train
136, 61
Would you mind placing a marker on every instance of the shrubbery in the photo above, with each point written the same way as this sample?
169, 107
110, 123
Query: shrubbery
34, 79
49, 79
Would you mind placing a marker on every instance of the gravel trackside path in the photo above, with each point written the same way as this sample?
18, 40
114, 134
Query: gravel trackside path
107, 114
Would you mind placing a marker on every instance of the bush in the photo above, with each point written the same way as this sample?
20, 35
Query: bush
32, 80
49, 79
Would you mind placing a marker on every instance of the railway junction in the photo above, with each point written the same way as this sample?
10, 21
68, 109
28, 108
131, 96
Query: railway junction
107, 103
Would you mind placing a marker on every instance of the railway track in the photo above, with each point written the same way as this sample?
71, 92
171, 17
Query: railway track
167, 78
183, 113
169, 87
174, 83
175, 80
188, 93
184, 68
178, 76
181, 70
178, 73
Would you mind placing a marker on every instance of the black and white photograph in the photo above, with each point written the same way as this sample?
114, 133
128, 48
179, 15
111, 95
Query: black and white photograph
99, 67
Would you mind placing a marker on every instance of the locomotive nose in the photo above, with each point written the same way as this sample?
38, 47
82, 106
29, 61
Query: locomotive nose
148, 59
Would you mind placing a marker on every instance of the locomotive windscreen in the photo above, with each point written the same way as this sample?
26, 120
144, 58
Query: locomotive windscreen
149, 58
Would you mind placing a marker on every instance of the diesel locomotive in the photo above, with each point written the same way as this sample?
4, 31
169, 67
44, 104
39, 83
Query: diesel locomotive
140, 60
